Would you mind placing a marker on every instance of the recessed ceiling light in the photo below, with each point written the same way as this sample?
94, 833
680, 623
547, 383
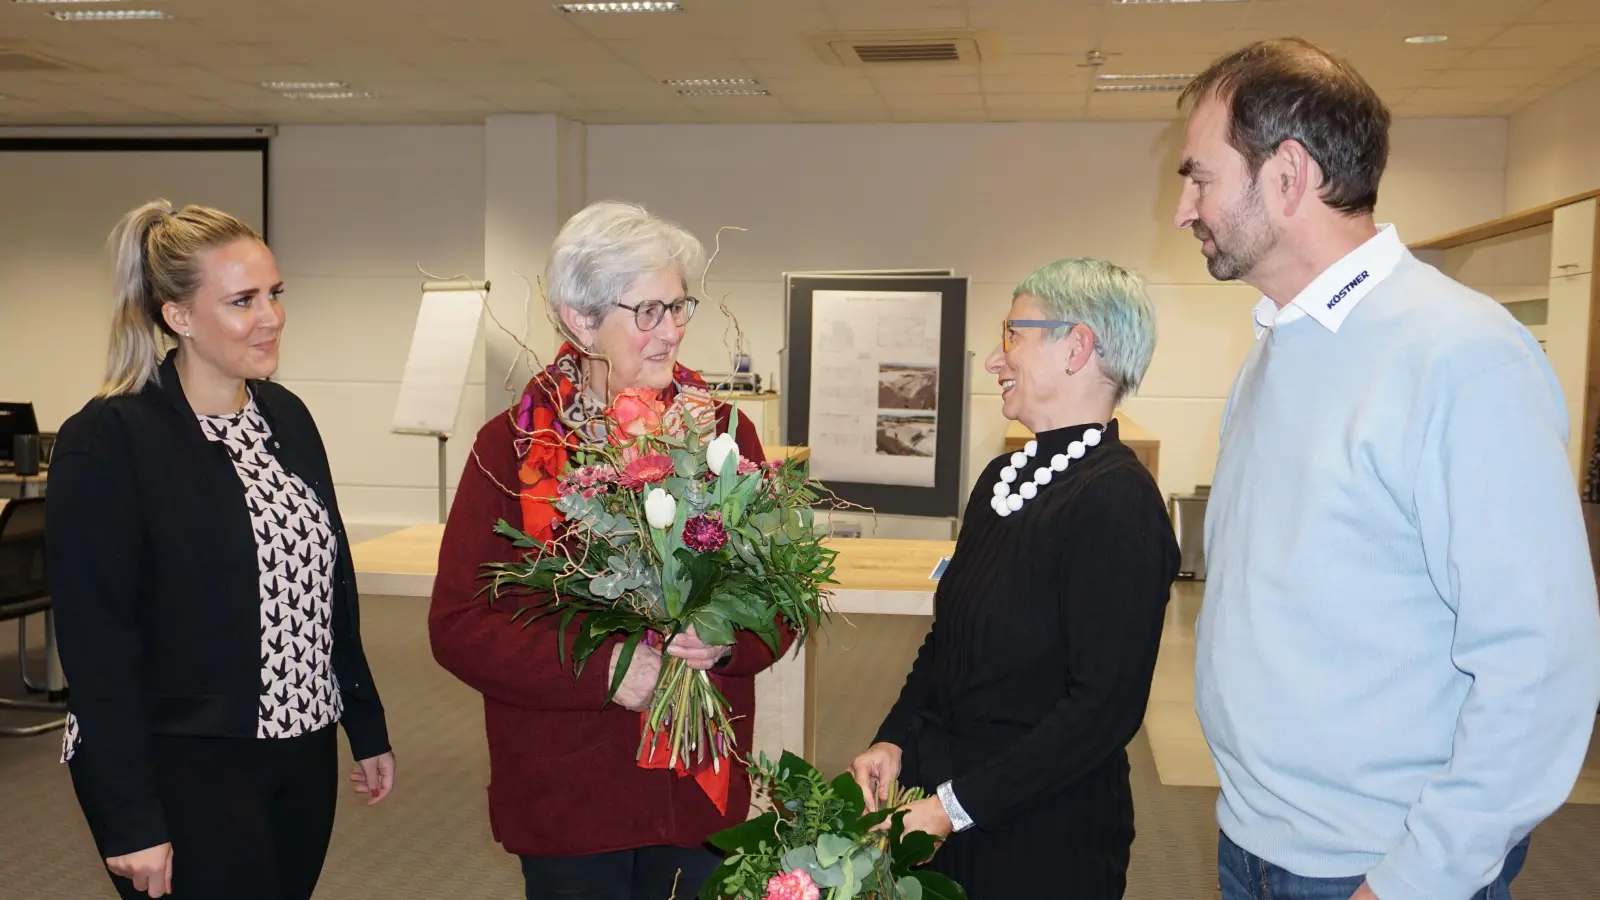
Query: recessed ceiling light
1112, 77
327, 95
1427, 38
304, 85
110, 15
1137, 88
711, 82
724, 92
634, 7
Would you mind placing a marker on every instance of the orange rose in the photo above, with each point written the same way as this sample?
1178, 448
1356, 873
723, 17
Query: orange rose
636, 412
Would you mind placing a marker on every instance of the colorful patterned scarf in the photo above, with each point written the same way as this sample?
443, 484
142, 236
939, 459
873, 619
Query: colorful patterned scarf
557, 417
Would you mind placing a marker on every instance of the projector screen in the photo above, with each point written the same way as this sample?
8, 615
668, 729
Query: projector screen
61, 200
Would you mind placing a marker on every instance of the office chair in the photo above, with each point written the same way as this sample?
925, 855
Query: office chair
25, 591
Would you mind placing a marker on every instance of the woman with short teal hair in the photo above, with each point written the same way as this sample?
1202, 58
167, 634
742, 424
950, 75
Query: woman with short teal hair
1018, 710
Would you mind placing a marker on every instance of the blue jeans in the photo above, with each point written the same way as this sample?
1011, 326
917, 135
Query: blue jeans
1244, 876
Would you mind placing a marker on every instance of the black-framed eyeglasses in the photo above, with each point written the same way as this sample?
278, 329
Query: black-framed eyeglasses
648, 315
1007, 325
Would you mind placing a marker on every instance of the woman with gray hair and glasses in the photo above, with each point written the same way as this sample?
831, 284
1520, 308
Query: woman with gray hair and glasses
1034, 678
565, 791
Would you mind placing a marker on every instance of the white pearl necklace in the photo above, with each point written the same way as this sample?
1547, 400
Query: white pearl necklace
1005, 503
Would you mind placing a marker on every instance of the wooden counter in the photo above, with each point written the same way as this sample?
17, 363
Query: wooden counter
787, 453
875, 576
1144, 445
859, 664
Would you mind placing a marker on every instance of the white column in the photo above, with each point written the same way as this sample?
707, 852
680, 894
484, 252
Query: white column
533, 182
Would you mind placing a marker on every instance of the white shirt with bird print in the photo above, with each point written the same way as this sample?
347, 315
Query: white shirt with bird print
296, 550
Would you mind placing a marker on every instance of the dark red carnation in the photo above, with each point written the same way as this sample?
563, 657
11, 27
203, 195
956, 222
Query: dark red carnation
704, 534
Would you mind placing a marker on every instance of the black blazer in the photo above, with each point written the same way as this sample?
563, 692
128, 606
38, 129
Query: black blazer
154, 574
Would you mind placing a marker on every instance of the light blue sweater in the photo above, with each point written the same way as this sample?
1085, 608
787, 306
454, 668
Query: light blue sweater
1398, 656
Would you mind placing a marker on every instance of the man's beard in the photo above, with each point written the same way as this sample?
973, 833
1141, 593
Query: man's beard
1250, 238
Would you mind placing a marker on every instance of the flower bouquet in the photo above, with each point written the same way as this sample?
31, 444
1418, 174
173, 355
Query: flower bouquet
665, 527
818, 843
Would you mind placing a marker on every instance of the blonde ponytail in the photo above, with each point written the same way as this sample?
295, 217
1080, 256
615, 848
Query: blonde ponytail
156, 253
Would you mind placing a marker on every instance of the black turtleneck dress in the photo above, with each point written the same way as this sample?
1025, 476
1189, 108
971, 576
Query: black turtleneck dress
1036, 674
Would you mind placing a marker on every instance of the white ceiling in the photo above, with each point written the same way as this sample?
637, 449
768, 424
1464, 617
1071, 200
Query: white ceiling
458, 61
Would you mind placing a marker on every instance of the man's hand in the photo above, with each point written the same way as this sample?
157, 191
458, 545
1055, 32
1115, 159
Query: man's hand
639, 685
874, 770
374, 777
1364, 893
698, 654
150, 870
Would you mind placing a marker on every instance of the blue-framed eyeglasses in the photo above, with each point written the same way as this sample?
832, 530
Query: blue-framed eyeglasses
1008, 325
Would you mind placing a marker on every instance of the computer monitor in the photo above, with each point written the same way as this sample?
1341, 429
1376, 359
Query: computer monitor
15, 419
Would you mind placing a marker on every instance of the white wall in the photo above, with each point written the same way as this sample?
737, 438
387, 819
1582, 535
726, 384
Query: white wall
355, 211
993, 202
1552, 152
58, 209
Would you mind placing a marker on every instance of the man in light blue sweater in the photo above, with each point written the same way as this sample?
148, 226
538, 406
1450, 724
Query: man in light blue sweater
1398, 656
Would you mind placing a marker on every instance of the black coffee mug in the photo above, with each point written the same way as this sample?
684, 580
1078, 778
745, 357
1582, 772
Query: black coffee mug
25, 453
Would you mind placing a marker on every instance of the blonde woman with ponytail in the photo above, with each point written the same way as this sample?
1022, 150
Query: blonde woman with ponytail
205, 598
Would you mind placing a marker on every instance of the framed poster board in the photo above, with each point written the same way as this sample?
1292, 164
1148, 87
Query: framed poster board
875, 380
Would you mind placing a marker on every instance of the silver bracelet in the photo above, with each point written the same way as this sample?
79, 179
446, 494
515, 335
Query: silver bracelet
959, 820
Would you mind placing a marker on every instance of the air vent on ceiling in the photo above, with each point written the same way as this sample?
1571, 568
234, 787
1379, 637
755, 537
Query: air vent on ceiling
898, 48
17, 59
941, 51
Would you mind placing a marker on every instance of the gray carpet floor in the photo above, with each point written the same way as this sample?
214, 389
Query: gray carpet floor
431, 838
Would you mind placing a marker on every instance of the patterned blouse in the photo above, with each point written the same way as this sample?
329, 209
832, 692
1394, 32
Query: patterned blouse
296, 553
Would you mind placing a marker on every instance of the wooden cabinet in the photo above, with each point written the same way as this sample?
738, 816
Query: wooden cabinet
1572, 241
1571, 332
1567, 345
763, 412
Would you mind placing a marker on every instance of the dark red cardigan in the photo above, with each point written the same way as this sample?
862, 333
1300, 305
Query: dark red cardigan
563, 781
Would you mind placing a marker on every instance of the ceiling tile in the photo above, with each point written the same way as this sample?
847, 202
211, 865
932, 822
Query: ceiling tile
1488, 78
1546, 34
835, 103
889, 16
1038, 103
1526, 57
1036, 64
946, 84
819, 87
1447, 96
920, 102
1075, 83
1584, 11
460, 60
940, 116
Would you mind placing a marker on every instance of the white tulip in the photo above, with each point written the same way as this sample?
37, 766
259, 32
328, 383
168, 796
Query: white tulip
717, 452
660, 508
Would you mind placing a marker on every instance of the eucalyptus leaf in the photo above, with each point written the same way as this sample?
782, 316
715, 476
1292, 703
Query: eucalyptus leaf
909, 888
832, 847
683, 463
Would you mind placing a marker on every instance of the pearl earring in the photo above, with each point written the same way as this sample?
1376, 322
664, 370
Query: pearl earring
189, 334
